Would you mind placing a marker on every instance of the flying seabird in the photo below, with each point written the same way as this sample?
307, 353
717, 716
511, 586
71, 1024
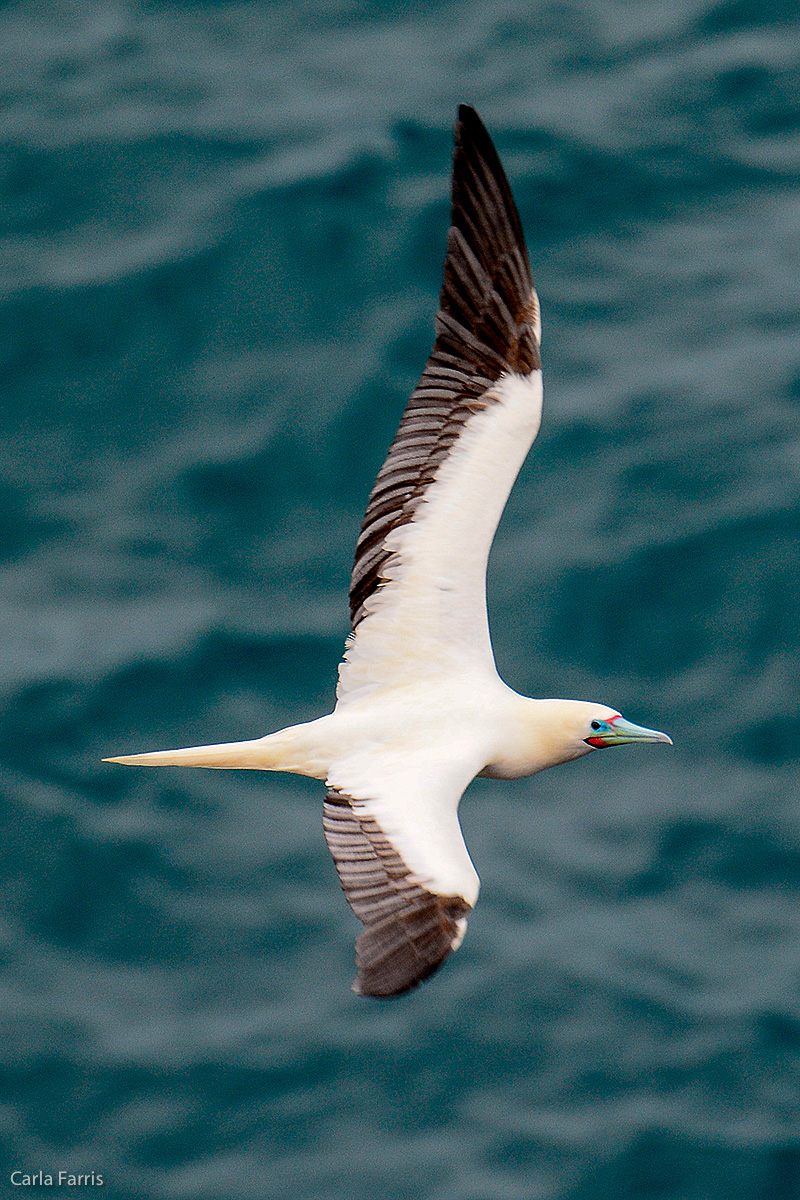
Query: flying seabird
420, 708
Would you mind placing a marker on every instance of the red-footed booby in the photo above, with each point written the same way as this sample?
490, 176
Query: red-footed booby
420, 708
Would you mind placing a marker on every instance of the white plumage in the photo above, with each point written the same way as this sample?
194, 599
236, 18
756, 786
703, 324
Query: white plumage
429, 621
420, 707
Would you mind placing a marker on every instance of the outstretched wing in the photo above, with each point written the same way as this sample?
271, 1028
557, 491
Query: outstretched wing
408, 930
391, 823
417, 592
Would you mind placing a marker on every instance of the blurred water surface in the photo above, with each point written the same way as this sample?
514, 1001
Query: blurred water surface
223, 227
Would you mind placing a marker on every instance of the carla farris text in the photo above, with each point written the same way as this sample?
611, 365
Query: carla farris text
68, 1179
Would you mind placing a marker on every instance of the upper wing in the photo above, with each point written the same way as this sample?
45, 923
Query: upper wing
406, 874
417, 592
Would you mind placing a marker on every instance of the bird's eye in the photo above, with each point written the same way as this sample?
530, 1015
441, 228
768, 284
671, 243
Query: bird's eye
597, 724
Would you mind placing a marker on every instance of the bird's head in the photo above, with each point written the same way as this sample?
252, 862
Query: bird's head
561, 730
545, 733
588, 727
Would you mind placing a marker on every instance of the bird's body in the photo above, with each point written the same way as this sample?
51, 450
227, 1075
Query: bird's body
420, 707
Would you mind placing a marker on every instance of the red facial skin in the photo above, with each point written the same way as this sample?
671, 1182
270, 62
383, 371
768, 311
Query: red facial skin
597, 742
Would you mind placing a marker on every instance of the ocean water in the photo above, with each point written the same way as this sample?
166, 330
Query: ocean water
223, 227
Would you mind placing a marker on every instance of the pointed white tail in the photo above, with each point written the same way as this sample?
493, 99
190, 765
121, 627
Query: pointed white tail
300, 749
255, 755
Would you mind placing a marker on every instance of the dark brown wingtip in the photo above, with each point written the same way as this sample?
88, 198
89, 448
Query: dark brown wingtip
395, 956
473, 143
486, 305
470, 119
467, 117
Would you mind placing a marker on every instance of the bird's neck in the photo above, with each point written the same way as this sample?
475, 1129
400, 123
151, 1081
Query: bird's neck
536, 734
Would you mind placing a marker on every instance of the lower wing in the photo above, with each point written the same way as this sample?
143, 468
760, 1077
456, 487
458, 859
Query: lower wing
405, 871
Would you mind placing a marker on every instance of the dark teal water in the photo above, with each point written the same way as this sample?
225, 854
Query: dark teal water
223, 227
